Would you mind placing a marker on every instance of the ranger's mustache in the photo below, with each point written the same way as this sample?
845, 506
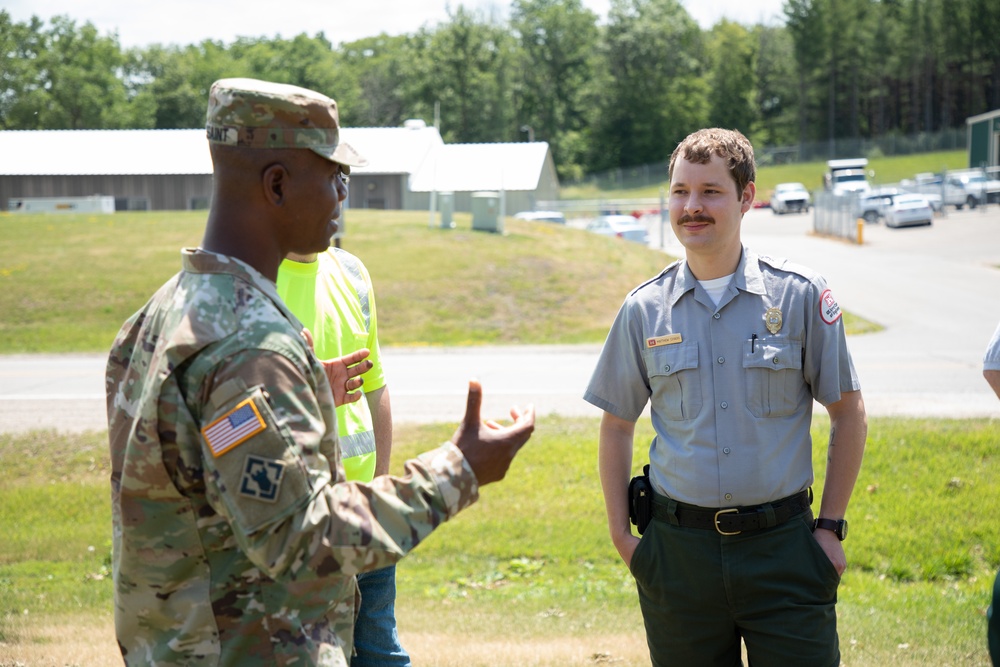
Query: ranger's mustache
697, 218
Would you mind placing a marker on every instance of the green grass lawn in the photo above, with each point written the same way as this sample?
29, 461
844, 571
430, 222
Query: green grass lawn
532, 561
68, 281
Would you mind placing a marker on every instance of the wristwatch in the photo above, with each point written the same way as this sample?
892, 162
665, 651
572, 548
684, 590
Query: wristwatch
839, 527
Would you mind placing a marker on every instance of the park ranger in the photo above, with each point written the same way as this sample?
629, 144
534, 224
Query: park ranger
236, 538
731, 348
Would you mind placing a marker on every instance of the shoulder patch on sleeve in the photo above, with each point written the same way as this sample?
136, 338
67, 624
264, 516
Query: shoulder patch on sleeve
236, 426
261, 478
829, 309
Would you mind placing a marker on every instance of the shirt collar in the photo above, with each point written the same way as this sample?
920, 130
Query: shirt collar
748, 277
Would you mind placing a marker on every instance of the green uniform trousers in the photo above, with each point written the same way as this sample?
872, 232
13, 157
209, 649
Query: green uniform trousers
700, 592
993, 623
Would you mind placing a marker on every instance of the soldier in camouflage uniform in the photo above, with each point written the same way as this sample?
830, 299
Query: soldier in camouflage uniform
236, 537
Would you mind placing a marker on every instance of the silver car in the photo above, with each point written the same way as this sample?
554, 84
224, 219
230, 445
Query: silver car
622, 226
908, 209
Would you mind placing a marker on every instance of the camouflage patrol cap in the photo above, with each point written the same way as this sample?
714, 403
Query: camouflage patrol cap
261, 114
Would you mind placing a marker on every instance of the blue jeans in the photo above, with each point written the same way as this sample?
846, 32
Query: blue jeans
376, 643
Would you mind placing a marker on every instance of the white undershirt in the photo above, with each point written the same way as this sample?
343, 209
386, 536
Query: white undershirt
716, 287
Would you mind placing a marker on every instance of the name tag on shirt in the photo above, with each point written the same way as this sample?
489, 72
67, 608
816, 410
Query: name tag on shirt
659, 341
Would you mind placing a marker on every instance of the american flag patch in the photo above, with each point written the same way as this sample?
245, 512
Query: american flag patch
234, 427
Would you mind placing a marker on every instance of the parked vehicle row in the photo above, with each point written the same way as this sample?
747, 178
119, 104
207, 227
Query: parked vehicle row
895, 207
958, 188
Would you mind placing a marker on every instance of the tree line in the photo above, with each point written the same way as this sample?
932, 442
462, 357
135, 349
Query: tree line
608, 94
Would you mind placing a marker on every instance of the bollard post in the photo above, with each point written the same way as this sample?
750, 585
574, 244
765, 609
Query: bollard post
861, 231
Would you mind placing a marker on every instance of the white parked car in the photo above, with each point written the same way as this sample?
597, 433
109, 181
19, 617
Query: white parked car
789, 198
908, 209
543, 216
622, 226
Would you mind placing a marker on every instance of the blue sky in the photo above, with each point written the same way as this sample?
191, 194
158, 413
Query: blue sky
144, 22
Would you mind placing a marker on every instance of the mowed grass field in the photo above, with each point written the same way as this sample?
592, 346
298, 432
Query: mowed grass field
68, 281
528, 576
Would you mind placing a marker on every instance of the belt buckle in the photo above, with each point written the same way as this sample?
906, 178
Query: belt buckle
715, 522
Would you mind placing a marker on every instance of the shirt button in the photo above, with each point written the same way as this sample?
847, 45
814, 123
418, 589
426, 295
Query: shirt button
722, 360
729, 496
666, 369
775, 360
726, 450
717, 315
725, 405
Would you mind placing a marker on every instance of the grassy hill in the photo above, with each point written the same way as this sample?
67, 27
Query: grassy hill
67, 282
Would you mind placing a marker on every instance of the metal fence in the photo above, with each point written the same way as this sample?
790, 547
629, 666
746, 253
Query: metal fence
835, 215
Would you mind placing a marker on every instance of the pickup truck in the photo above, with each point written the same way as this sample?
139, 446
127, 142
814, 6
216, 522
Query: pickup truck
937, 190
847, 177
977, 186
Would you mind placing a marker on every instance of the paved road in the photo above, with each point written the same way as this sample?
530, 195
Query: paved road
936, 290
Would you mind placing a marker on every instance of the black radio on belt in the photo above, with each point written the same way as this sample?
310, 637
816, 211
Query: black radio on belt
640, 500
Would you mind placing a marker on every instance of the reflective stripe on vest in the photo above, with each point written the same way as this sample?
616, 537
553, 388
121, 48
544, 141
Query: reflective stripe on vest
353, 272
363, 442
357, 444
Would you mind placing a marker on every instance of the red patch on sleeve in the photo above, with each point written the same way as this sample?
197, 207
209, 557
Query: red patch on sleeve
829, 309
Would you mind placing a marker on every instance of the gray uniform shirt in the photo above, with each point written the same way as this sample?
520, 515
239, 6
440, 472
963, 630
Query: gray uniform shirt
992, 360
731, 400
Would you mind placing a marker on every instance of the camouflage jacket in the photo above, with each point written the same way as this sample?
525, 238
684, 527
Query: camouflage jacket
236, 537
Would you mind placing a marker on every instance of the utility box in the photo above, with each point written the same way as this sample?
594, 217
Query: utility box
486, 212
446, 206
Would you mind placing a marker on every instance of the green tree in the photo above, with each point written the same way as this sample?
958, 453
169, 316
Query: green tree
20, 45
557, 40
807, 25
777, 100
733, 80
375, 77
465, 65
655, 93
64, 77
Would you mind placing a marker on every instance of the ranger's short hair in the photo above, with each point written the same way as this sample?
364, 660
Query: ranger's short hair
730, 145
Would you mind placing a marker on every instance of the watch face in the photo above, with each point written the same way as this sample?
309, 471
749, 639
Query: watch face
838, 527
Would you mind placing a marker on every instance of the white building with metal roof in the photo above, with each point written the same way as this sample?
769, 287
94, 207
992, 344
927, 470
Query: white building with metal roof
172, 169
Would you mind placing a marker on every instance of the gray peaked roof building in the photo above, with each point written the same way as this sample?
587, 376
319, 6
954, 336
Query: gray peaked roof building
172, 169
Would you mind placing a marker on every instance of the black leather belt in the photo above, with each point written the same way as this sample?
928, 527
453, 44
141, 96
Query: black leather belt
731, 520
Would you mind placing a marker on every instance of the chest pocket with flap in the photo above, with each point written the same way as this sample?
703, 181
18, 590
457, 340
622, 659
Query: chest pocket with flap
674, 380
774, 382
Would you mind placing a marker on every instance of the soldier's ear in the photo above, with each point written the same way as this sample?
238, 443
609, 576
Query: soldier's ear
274, 181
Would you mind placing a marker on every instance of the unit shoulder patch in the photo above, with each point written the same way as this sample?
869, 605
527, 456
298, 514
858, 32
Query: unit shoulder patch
829, 309
261, 478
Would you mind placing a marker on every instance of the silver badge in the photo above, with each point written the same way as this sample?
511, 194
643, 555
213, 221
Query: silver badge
772, 320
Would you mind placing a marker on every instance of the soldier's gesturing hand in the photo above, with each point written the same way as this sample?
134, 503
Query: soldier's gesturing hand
488, 446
